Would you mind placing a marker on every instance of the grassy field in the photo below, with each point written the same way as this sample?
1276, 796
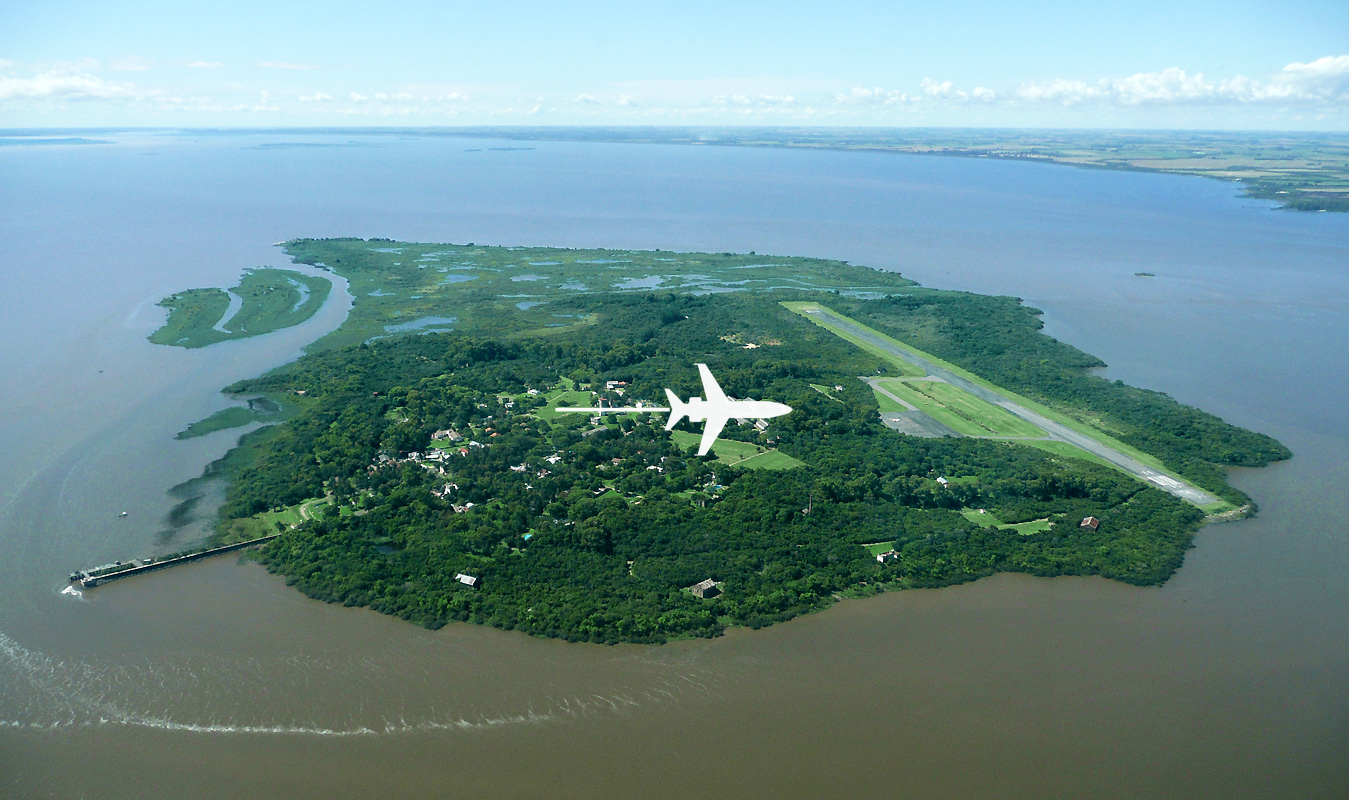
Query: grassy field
982, 520
995, 421
563, 397
264, 524
927, 405
1027, 528
739, 454
986, 519
888, 404
272, 299
958, 409
827, 391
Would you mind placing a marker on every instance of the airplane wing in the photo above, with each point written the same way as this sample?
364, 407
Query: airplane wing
711, 430
711, 388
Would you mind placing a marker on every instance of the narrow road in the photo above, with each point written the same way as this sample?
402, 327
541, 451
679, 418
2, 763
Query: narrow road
1056, 431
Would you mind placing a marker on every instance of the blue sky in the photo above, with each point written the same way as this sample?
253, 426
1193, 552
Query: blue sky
1188, 64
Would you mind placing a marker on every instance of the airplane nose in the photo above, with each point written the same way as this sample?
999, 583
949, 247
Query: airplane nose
781, 408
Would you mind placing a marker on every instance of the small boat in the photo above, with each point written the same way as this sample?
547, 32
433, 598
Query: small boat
123, 514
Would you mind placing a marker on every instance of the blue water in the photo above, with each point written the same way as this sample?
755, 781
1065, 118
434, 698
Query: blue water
649, 282
421, 322
1228, 680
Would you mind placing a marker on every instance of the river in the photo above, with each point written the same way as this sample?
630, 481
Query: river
1230, 680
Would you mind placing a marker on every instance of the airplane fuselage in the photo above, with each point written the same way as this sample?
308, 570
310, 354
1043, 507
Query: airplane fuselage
699, 410
714, 411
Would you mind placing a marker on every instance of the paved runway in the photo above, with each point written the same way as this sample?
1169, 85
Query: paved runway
1055, 430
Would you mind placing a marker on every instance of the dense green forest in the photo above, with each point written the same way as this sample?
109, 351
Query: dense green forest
439, 457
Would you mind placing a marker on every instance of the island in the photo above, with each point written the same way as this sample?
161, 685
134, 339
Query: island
422, 469
265, 300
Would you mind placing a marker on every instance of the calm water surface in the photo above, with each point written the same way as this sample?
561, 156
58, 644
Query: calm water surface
1231, 680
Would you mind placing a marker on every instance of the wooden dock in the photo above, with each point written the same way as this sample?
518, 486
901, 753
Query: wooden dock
89, 578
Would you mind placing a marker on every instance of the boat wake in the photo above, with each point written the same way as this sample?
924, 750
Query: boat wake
40, 693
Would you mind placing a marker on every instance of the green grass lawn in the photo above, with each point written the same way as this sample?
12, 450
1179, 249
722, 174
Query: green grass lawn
982, 520
996, 421
876, 548
264, 524
986, 519
1027, 528
826, 391
739, 454
572, 398
887, 404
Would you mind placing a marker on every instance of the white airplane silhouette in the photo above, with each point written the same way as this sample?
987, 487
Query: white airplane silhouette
714, 412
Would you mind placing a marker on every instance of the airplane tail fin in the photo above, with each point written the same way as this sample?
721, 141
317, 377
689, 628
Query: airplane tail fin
678, 410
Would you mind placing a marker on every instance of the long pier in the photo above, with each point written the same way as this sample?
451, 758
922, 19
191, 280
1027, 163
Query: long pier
89, 578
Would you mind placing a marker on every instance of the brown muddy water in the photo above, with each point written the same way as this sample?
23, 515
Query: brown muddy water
216, 680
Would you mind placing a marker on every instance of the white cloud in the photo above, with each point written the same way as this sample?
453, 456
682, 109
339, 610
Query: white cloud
754, 101
316, 97
356, 97
944, 90
285, 65
1058, 91
863, 96
626, 100
1320, 82
985, 94
1326, 77
587, 98
64, 85
204, 65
